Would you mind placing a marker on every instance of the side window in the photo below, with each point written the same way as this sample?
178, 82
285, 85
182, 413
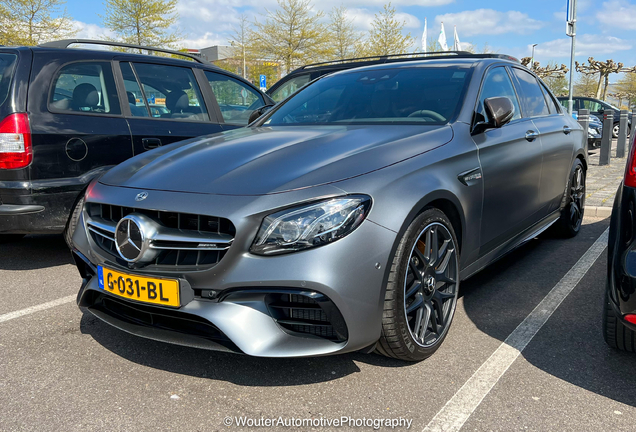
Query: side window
171, 92
531, 95
85, 87
552, 103
290, 87
497, 84
591, 105
236, 100
135, 96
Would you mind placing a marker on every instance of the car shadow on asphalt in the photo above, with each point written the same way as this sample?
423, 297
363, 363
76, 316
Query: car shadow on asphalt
570, 346
235, 368
35, 252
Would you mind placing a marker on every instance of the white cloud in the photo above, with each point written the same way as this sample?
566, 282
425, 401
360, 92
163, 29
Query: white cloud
586, 45
490, 22
618, 14
91, 31
207, 40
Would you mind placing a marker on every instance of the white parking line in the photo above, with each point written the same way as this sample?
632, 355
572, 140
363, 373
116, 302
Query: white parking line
460, 407
38, 308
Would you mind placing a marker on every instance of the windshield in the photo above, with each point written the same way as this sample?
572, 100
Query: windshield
7, 67
413, 95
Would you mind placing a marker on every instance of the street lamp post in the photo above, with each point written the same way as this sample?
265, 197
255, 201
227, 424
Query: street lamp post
532, 61
571, 31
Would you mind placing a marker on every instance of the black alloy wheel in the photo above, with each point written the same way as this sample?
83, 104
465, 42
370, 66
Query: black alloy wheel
571, 219
421, 299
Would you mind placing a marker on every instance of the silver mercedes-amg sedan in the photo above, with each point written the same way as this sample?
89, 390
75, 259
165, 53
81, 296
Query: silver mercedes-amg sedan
341, 220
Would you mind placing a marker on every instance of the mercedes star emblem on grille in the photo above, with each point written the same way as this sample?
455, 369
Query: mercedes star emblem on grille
141, 196
130, 239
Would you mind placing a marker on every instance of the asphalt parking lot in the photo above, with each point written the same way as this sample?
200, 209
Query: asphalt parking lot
64, 371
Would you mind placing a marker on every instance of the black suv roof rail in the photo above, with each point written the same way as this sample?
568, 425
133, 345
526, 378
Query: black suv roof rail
65, 43
414, 57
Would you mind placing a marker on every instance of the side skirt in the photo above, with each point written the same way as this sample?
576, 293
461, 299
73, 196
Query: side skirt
510, 245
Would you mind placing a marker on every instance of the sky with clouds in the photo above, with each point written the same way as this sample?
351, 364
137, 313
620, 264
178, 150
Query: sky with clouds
606, 29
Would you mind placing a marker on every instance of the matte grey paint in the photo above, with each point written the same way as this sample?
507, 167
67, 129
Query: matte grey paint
247, 174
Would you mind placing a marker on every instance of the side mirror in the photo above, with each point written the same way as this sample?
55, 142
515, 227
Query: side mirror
499, 111
601, 110
259, 112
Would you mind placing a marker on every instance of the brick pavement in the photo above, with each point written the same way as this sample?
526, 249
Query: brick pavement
602, 183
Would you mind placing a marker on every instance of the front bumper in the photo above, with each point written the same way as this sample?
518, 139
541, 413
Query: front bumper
239, 317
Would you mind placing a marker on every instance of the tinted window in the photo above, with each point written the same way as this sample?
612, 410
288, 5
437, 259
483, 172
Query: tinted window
552, 103
236, 99
290, 87
497, 84
134, 94
7, 68
533, 100
86, 87
171, 92
423, 95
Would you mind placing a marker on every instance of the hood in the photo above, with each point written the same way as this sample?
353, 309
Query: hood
258, 161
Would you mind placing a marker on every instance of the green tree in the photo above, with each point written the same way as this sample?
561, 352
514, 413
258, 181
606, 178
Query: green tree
585, 85
31, 22
558, 84
239, 40
345, 38
292, 35
142, 22
386, 35
627, 86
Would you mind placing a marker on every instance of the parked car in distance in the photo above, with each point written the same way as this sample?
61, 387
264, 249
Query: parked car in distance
594, 131
619, 305
341, 220
597, 108
68, 115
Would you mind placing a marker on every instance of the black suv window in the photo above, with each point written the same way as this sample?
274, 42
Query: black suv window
171, 92
7, 66
290, 87
497, 84
85, 87
533, 100
134, 94
236, 100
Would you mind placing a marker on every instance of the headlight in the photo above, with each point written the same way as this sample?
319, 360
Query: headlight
311, 225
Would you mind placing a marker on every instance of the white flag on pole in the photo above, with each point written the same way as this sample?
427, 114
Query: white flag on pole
424, 47
457, 46
442, 39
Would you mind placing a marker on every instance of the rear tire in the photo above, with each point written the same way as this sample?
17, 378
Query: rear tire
11, 238
569, 224
71, 225
421, 292
615, 333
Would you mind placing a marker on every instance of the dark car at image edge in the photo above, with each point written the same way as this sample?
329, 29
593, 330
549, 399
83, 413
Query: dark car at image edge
341, 220
68, 115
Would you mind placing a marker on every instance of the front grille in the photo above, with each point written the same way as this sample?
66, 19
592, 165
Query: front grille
302, 314
185, 240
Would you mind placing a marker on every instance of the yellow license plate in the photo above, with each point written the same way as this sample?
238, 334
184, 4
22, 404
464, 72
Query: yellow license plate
143, 289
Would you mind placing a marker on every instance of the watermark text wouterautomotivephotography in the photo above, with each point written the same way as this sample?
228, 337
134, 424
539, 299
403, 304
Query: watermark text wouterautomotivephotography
343, 421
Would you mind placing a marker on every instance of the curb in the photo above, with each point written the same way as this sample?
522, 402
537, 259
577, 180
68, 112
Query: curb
599, 212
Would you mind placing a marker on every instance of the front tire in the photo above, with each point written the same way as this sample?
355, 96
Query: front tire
421, 293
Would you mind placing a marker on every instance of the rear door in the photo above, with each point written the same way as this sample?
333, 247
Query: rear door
511, 159
76, 121
556, 134
165, 104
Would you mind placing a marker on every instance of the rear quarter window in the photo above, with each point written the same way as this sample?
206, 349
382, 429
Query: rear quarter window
7, 70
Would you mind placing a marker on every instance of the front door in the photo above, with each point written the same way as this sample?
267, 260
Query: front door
511, 159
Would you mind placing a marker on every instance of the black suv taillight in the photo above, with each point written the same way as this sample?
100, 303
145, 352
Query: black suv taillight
15, 142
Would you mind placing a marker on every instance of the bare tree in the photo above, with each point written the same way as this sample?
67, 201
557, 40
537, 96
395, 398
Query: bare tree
604, 69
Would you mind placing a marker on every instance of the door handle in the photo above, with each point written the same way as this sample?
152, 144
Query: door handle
151, 143
566, 130
531, 135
